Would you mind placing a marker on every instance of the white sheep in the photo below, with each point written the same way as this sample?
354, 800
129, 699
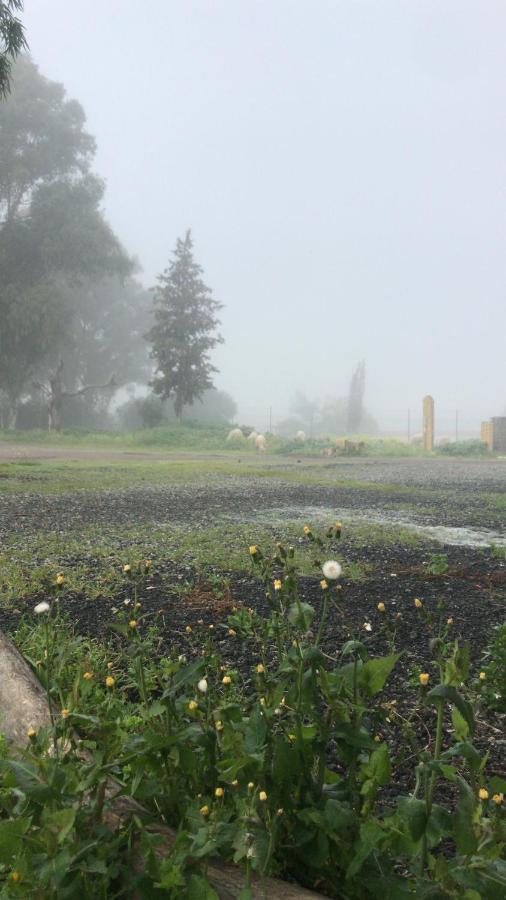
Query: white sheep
252, 436
300, 437
235, 435
260, 443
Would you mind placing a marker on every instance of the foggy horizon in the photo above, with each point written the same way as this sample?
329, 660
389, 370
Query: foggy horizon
342, 168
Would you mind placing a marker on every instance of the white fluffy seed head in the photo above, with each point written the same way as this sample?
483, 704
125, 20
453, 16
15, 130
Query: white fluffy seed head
331, 569
41, 608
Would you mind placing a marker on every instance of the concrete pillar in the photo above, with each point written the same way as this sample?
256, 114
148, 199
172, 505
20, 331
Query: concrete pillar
487, 434
428, 422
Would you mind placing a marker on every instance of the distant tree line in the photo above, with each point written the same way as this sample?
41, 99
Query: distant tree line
333, 415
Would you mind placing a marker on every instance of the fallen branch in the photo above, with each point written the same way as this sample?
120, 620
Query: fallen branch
23, 705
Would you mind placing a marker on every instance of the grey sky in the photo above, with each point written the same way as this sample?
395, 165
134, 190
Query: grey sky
343, 168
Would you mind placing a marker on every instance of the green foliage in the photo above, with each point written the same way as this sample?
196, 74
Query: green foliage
437, 564
12, 41
463, 448
493, 687
280, 770
54, 238
184, 331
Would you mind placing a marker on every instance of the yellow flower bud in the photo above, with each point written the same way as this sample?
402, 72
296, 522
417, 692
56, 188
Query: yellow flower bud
324, 584
110, 681
262, 796
307, 529
188, 629
260, 668
192, 705
498, 798
424, 679
277, 584
418, 603
88, 676
219, 792
483, 794
31, 733
231, 632
15, 876
65, 713
127, 569
381, 607
204, 810
253, 550
60, 579
483, 676
235, 782
132, 624
449, 621
250, 785
226, 679
219, 725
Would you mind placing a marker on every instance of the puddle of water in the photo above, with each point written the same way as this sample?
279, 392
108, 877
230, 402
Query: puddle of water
459, 537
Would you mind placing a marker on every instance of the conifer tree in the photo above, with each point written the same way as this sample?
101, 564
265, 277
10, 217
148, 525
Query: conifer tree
184, 331
356, 399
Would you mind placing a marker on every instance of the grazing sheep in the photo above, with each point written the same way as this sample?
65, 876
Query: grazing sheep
260, 443
252, 436
235, 435
328, 451
300, 437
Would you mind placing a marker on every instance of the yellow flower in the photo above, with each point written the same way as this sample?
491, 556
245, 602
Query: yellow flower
449, 621
65, 713
262, 796
15, 876
204, 810
277, 584
234, 783
127, 569
132, 624
110, 681
211, 627
498, 798
418, 603
88, 676
219, 792
260, 668
424, 679
192, 705
226, 679
231, 632
137, 605
483, 794
31, 733
381, 607
188, 629
338, 526
483, 676
377, 738
60, 579
253, 550
148, 563
262, 701
324, 584
307, 529
250, 785
219, 725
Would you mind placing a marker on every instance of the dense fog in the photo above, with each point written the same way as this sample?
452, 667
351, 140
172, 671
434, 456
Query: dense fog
342, 169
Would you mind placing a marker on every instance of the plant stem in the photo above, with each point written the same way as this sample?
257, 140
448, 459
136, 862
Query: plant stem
431, 781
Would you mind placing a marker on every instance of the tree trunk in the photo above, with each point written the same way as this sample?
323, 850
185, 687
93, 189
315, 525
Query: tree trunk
23, 705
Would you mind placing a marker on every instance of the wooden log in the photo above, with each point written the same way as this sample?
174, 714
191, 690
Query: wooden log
23, 705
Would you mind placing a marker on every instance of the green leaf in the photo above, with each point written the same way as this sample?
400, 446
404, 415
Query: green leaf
451, 694
256, 731
465, 837
200, 889
413, 813
301, 614
459, 724
374, 673
11, 837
